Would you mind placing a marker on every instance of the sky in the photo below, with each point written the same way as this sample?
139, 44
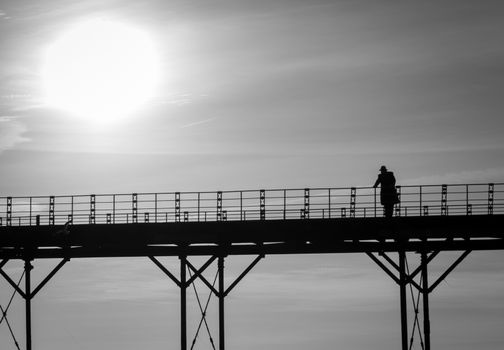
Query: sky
261, 94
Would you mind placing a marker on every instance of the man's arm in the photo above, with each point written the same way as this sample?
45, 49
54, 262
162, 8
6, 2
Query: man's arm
377, 182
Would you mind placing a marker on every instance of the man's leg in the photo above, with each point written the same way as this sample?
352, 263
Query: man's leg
389, 210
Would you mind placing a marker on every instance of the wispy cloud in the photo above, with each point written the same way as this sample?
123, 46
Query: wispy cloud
11, 132
178, 99
482, 175
197, 123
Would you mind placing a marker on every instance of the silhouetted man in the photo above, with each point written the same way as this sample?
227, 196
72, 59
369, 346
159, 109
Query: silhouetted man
388, 193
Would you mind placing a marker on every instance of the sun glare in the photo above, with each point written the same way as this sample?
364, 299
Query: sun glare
100, 70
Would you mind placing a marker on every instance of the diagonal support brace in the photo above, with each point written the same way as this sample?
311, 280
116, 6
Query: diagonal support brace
198, 273
49, 276
4, 311
243, 274
12, 283
165, 270
4, 261
419, 268
384, 268
450, 269
390, 261
408, 278
40, 286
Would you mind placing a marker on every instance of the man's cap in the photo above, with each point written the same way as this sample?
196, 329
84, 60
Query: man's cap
383, 168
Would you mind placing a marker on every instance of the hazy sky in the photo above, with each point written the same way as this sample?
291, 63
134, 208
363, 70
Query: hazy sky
261, 94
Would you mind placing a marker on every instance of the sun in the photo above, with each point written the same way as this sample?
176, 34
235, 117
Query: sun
100, 70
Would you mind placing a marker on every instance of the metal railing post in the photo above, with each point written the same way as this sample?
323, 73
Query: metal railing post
219, 206
30, 211
420, 207
199, 206
113, 208
155, 207
262, 204
444, 200
490, 198
329, 200
284, 204
9, 211
398, 205
307, 203
51, 210
467, 199
375, 202
134, 207
353, 195
177, 206
92, 209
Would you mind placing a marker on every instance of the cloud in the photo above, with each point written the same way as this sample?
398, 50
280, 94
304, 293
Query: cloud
197, 123
11, 132
482, 175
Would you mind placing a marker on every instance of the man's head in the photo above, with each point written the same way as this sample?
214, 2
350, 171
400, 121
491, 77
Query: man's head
383, 169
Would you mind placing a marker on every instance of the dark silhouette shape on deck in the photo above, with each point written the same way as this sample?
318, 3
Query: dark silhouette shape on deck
388, 193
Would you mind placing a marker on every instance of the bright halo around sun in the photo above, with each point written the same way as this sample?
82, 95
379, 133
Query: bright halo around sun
101, 70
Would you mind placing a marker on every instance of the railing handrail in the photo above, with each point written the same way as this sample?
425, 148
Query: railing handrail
249, 190
261, 204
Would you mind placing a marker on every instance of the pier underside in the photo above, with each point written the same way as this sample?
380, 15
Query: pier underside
342, 235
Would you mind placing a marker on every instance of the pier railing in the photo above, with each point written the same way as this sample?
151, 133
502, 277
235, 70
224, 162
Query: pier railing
270, 204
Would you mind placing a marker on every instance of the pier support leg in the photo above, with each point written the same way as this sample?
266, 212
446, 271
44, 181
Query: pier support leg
404, 311
183, 303
222, 294
28, 296
405, 278
425, 292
